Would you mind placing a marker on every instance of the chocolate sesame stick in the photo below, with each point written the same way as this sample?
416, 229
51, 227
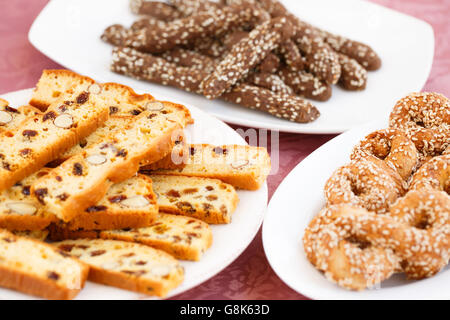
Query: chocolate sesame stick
190, 7
247, 54
306, 84
188, 30
353, 75
143, 66
269, 81
191, 59
156, 9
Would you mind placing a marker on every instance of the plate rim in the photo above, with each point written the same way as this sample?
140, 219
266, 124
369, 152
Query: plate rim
211, 272
284, 126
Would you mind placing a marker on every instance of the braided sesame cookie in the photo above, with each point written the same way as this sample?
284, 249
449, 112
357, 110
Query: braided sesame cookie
350, 259
391, 146
434, 175
365, 184
425, 117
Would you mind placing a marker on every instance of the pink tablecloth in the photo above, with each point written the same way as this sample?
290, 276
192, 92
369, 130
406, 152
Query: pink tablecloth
250, 276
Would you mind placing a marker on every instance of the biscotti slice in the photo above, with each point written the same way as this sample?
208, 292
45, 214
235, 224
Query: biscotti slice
183, 237
54, 84
39, 269
209, 200
128, 204
171, 111
127, 265
19, 211
40, 235
244, 167
82, 180
41, 138
11, 118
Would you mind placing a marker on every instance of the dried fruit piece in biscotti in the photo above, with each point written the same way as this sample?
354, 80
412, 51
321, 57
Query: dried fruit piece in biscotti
186, 31
185, 238
86, 177
246, 55
40, 139
244, 167
20, 211
209, 200
128, 204
127, 265
10, 117
36, 268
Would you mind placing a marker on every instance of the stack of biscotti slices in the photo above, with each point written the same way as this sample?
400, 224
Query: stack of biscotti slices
128, 228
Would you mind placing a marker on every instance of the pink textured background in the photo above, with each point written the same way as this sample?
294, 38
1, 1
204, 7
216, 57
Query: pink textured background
250, 276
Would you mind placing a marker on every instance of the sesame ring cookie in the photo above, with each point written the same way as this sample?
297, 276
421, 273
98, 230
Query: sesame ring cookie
348, 258
434, 174
425, 117
391, 146
426, 210
363, 183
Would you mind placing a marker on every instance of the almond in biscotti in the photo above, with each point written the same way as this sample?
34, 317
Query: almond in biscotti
5, 117
63, 121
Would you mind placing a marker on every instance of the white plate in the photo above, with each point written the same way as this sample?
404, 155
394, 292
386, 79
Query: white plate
68, 31
297, 200
229, 241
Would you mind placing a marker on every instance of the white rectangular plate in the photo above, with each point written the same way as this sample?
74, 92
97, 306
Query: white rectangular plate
68, 31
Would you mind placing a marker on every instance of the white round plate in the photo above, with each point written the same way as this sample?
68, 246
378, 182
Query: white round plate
68, 31
297, 200
229, 241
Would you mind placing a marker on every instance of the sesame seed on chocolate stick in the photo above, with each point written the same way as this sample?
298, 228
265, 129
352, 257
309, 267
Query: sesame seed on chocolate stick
143, 66
282, 106
115, 34
306, 84
247, 54
353, 75
191, 59
291, 55
188, 30
269, 81
156, 9
147, 22
190, 7
361, 52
